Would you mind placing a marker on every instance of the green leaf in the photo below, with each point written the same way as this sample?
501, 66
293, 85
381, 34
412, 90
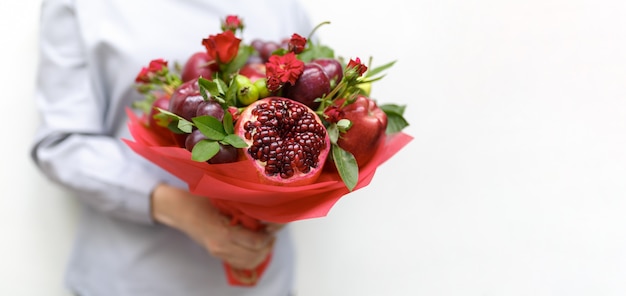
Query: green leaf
185, 126
346, 166
210, 127
395, 119
333, 133
344, 125
162, 119
375, 70
316, 52
228, 122
209, 86
395, 123
222, 86
180, 126
230, 95
143, 105
168, 113
242, 57
370, 79
204, 150
393, 108
279, 51
235, 141
177, 124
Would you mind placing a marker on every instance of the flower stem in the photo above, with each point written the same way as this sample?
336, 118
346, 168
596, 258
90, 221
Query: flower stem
315, 29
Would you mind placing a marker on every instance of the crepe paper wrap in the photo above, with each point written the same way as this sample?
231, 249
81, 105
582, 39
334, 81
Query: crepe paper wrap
234, 188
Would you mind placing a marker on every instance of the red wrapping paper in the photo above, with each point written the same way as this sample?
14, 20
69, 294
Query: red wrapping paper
235, 189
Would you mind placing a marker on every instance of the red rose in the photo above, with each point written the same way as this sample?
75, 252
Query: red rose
357, 66
154, 68
222, 47
297, 43
232, 23
143, 76
157, 65
333, 114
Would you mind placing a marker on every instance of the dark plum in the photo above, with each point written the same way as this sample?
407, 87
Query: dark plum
312, 84
285, 43
332, 68
257, 44
267, 49
255, 59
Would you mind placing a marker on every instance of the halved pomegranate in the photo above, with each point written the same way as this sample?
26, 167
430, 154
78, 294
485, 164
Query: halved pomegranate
288, 143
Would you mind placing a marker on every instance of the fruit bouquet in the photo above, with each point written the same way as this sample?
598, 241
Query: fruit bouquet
270, 131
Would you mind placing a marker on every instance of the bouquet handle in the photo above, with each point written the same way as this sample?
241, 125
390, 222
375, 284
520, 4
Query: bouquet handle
246, 277
243, 277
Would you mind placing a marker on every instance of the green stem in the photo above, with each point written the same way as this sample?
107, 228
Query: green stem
315, 29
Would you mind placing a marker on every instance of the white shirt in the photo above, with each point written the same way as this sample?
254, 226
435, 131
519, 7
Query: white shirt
91, 51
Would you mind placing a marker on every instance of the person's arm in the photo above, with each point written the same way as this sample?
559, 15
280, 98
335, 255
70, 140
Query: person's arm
76, 148
73, 146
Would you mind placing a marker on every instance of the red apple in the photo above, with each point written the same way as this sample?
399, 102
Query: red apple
199, 64
369, 123
162, 102
186, 99
168, 137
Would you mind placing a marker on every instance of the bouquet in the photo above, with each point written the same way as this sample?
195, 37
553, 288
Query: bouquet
269, 131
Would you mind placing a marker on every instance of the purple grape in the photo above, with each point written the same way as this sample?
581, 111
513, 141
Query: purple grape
227, 153
211, 108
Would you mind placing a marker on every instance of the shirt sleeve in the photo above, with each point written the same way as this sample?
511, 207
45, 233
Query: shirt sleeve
72, 145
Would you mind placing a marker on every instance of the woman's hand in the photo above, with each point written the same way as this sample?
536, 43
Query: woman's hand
199, 219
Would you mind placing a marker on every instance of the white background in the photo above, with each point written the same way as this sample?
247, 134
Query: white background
515, 183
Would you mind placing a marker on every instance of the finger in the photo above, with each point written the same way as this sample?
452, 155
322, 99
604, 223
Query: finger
253, 240
273, 227
243, 258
